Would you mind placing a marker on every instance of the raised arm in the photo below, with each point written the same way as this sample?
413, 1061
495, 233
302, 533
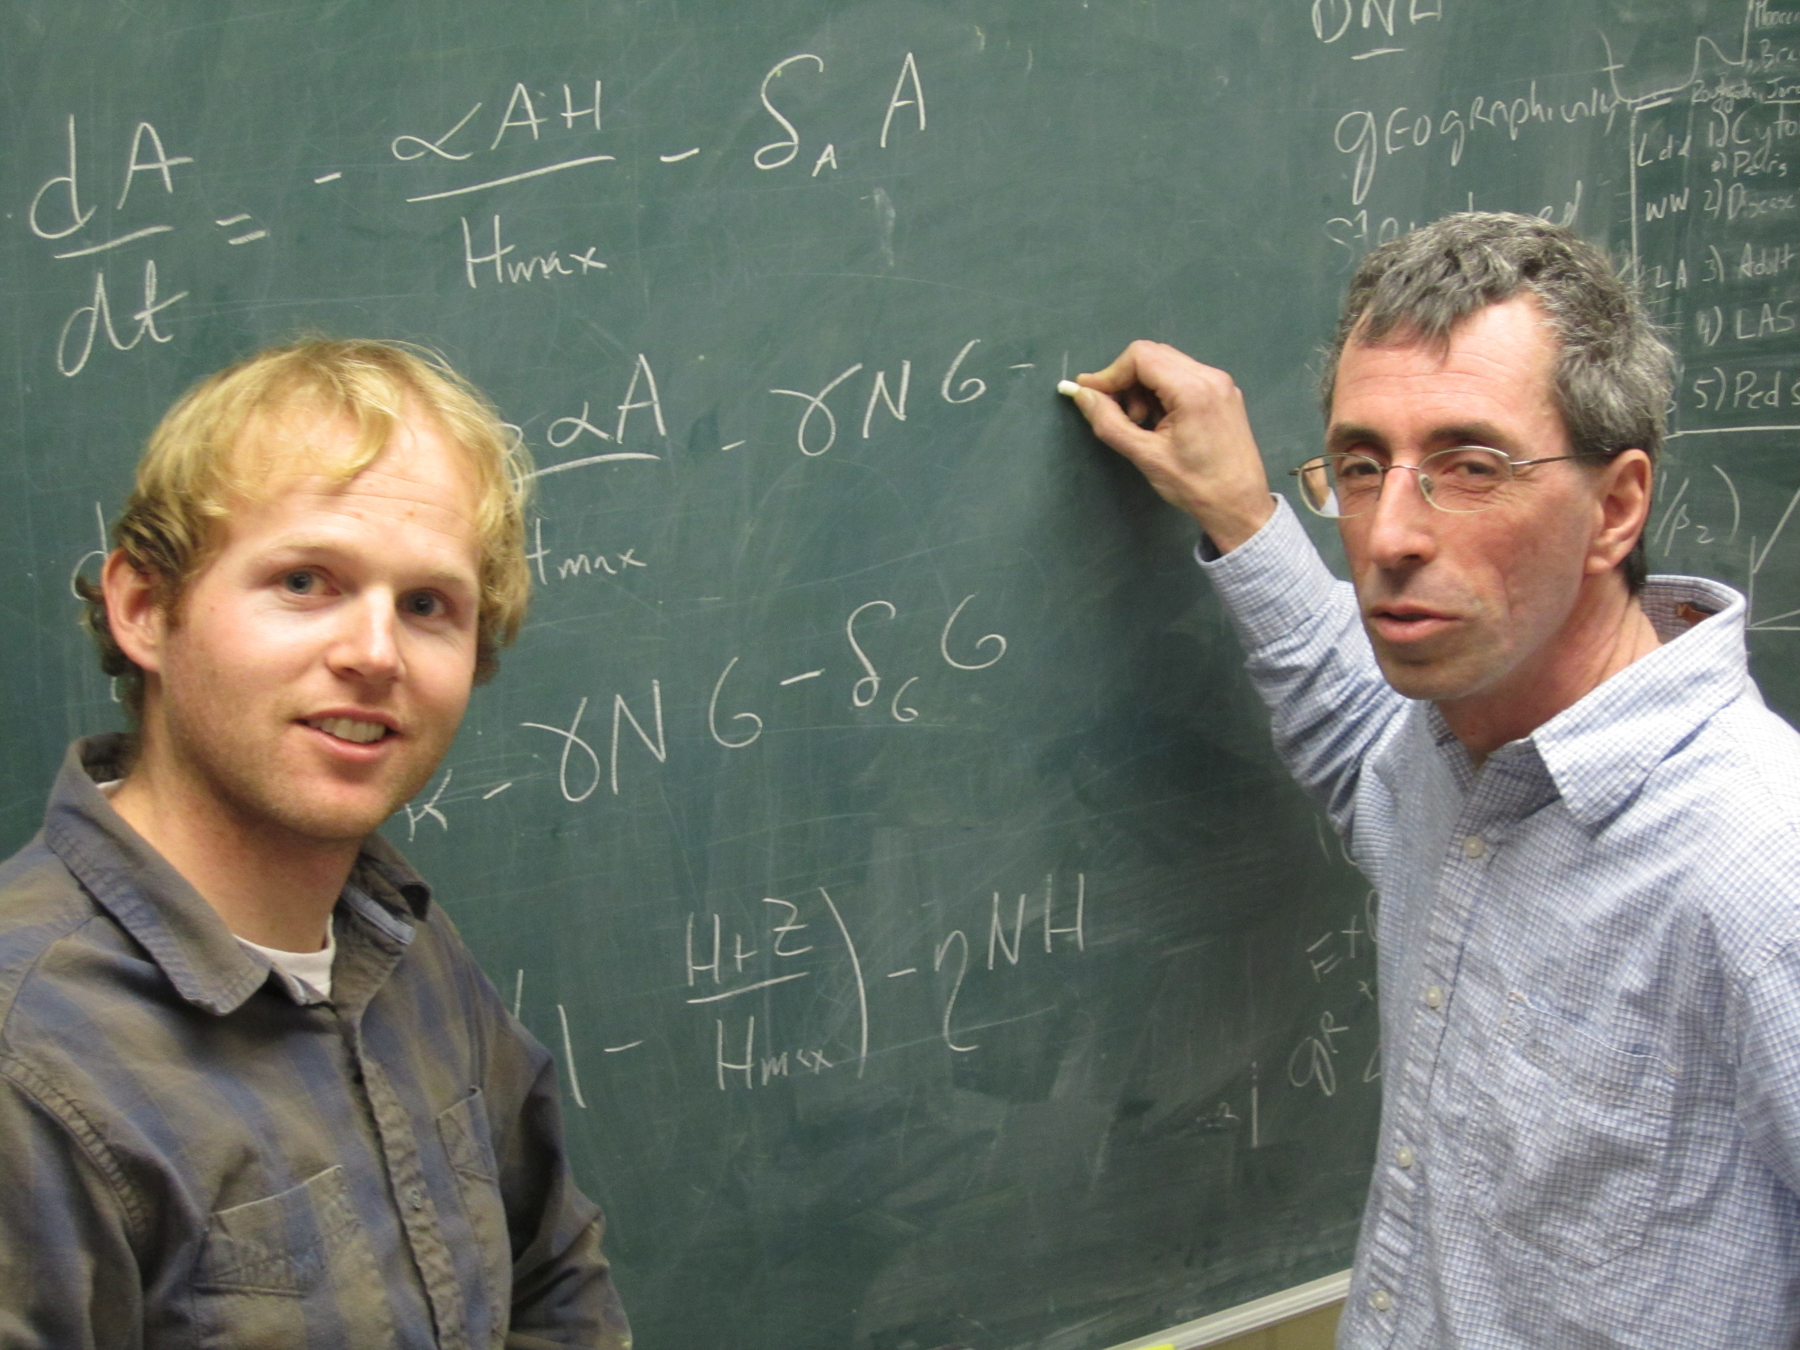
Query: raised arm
1183, 424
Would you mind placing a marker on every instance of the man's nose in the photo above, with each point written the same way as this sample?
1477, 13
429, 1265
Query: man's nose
1402, 529
368, 646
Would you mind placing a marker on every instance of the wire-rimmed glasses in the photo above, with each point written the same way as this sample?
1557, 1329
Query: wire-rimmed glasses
1461, 480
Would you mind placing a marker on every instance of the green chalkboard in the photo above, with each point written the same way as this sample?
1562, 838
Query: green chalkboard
873, 817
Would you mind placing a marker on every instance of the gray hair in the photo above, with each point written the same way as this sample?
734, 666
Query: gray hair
1613, 370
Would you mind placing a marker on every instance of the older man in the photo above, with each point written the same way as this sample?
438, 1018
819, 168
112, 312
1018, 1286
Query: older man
1580, 817
253, 1090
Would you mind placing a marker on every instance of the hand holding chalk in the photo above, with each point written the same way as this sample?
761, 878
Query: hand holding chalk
1183, 424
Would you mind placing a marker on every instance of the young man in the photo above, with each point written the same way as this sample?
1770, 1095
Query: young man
253, 1090
1581, 820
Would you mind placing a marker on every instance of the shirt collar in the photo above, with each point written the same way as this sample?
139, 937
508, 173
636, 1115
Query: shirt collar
153, 902
1598, 751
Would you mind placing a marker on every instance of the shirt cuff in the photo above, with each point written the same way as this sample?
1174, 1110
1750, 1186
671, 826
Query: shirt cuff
1272, 583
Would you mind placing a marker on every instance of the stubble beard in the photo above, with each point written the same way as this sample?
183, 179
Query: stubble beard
1452, 672
263, 794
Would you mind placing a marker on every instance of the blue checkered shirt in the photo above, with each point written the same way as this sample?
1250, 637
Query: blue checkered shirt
1590, 981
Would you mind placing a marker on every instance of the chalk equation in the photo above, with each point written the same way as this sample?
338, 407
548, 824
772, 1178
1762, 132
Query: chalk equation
1341, 960
600, 427
64, 210
845, 1013
61, 213
730, 724
519, 124
569, 566
956, 387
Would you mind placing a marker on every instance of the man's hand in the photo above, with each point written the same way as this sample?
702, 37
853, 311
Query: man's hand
1183, 425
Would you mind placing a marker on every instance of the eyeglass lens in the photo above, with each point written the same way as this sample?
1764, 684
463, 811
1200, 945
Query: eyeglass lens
1463, 478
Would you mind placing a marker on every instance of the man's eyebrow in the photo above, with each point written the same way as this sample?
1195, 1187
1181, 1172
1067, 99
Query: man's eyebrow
1343, 435
1474, 433
452, 580
301, 547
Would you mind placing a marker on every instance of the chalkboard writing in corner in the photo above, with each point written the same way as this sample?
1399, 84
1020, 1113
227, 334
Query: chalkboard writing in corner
874, 819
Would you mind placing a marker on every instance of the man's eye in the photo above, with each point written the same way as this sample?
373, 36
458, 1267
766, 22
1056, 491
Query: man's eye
300, 582
423, 605
1473, 465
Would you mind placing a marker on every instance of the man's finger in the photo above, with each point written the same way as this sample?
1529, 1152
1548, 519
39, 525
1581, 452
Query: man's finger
1109, 421
1139, 403
1117, 377
1142, 406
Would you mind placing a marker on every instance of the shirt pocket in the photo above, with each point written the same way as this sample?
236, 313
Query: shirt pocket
1569, 1137
463, 1129
294, 1270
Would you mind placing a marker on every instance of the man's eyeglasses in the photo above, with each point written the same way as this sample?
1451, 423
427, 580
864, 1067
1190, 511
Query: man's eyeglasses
1462, 479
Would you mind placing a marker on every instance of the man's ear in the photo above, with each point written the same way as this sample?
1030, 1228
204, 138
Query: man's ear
134, 612
1622, 507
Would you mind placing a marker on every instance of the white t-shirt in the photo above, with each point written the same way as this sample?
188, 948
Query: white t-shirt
311, 969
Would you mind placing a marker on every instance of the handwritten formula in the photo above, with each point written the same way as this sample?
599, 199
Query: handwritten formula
873, 819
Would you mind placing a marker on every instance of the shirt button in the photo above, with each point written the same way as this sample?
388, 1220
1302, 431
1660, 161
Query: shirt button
1434, 996
1474, 846
1381, 1300
415, 1197
1404, 1156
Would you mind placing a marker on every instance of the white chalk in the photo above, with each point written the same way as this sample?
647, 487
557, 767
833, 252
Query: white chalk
1068, 387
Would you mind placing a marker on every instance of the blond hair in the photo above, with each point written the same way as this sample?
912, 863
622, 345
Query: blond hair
197, 464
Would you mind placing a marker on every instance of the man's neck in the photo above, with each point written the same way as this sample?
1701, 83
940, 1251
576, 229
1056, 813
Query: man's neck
1607, 632
268, 886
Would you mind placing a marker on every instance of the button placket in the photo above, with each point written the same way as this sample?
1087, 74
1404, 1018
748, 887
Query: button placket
418, 1215
1460, 885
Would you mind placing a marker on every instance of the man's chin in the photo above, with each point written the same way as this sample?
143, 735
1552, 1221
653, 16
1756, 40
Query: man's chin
336, 811
330, 824
1434, 679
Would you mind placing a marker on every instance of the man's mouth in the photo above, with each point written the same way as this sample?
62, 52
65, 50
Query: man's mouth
1407, 622
349, 729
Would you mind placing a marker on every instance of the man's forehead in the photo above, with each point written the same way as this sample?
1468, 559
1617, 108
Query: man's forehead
303, 440
1521, 315
1510, 342
301, 437
1490, 381
325, 460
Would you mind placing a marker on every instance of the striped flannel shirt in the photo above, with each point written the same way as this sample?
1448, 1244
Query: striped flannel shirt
1589, 958
200, 1154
